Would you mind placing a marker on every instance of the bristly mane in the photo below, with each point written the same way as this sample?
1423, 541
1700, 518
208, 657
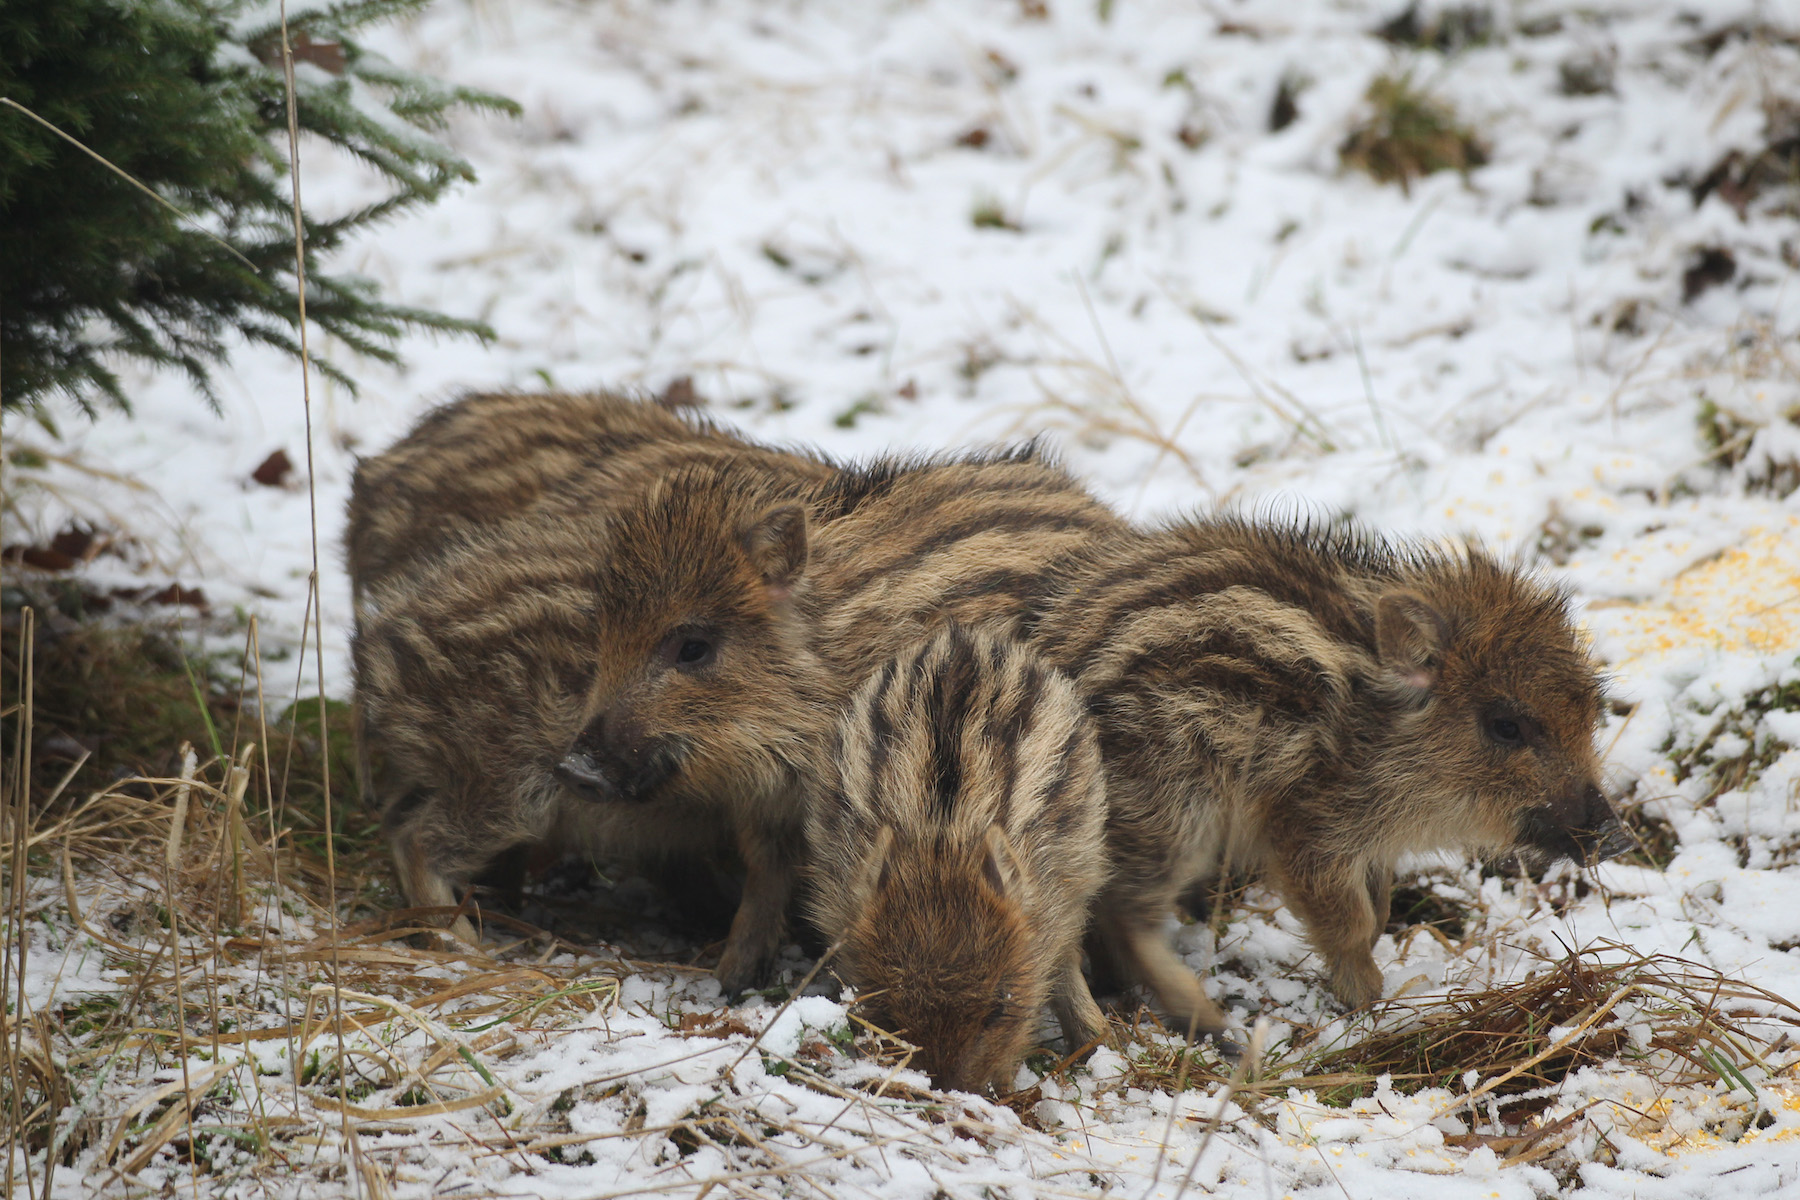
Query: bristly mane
858, 483
1363, 550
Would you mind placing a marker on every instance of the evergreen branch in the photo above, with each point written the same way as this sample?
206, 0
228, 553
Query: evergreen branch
127, 176
182, 100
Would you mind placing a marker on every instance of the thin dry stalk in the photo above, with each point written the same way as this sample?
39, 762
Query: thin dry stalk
1291, 411
1187, 1058
185, 218
54, 1085
431, 1029
314, 593
1247, 1064
20, 821
253, 654
785, 1005
171, 868
1116, 410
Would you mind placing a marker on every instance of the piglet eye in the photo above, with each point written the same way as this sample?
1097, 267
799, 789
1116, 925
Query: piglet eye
689, 648
1000, 1011
1505, 730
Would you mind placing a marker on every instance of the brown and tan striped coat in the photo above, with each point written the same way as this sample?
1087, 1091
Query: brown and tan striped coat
476, 672
897, 549
955, 854
893, 549
1311, 706
488, 458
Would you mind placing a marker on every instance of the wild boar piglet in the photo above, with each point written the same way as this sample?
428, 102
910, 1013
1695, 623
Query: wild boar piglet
487, 458
955, 857
627, 682
1310, 705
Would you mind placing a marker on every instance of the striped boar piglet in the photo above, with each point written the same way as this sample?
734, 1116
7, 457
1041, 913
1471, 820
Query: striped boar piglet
1310, 705
955, 858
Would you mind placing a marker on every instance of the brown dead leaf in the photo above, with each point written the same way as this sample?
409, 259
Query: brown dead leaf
713, 1025
176, 594
327, 56
681, 393
274, 469
44, 558
78, 543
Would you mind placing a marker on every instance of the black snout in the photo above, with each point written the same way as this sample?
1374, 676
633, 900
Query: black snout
1581, 826
1612, 840
1600, 834
599, 767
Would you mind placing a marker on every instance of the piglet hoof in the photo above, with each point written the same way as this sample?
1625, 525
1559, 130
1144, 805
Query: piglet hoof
459, 935
741, 973
1357, 984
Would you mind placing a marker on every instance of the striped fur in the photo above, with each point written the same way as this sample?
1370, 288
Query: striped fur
475, 674
893, 549
490, 457
490, 460
1312, 705
975, 539
905, 546
958, 851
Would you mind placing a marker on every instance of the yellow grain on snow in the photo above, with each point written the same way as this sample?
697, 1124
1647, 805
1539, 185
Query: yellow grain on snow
1744, 599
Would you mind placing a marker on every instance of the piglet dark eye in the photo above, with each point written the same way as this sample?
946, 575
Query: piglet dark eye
1506, 731
689, 648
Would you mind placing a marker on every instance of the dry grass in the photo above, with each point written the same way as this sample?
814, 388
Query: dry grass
221, 956
1692, 1025
248, 1031
1088, 398
1406, 133
1508, 1053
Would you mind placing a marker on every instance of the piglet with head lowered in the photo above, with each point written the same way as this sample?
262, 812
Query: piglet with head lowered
956, 852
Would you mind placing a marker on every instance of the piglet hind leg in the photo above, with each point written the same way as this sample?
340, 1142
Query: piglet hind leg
424, 883
1381, 900
1139, 939
754, 943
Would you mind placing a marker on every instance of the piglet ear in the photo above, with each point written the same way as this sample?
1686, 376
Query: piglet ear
776, 543
1000, 865
1410, 636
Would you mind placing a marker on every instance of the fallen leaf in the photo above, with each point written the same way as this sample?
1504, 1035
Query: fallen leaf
274, 470
176, 594
681, 393
44, 558
78, 543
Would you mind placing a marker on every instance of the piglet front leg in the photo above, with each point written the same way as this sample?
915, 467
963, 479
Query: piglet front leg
1333, 899
771, 866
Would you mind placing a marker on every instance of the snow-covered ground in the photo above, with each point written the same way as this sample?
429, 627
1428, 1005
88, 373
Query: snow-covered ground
937, 223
